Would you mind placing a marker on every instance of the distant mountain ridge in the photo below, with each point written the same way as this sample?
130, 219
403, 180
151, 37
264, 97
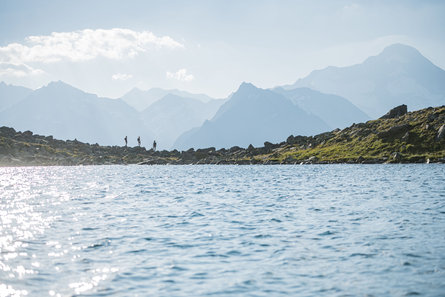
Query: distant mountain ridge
173, 115
252, 116
336, 111
140, 100
10, 95
398, 75
65, 112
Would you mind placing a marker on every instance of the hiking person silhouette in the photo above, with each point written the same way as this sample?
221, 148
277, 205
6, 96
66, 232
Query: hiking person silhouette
139, 141
154, 145
126, 140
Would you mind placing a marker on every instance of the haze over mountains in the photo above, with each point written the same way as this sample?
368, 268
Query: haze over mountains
172, 115
140, 99
69, 113
331, 98
398, 75
10, 95
335, 111
252, 116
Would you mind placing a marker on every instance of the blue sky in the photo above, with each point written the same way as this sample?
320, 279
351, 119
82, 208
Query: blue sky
109, 47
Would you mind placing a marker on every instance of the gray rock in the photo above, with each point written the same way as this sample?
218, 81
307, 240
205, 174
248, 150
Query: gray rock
441, 132
394, 131
396, 112
432, 117
396, 157
406, 137
312, 159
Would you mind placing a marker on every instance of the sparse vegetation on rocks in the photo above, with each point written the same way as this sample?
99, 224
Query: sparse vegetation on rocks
403, 137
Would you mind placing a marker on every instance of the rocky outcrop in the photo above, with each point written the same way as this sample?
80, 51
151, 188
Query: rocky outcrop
395, 131
396, 112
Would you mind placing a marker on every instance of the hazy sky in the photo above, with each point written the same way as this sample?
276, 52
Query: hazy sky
108, 47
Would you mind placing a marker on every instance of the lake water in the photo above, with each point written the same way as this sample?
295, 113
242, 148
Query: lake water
316, 230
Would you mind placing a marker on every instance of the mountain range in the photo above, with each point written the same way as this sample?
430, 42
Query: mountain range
398, 75
172, 115
331, 98
10, 95
141, 100
65, 112
252, 116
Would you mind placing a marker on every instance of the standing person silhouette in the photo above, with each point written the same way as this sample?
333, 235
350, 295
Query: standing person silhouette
139, 141
126, 140
154, 145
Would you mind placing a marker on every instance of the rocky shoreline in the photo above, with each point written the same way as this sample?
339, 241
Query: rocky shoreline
397, 137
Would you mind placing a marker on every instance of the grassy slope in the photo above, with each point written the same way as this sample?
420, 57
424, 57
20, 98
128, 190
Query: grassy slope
366, 141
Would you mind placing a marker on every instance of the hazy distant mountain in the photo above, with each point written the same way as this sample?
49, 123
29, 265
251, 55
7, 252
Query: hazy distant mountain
10, 95
68, 113
173, 115
140, 100
398, 75
335, 111
252, 116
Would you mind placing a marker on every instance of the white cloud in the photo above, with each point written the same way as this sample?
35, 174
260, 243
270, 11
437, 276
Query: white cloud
18, 70
84, 45
180, 75
121, 76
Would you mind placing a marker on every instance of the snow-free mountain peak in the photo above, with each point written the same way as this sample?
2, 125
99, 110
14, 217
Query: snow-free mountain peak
140, 99
252, 116
66, 112
400, 74
398, 50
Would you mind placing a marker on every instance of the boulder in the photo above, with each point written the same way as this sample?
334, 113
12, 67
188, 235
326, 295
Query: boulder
234, 149
441, 132
323, 137
296, 140
268, 145
208, 150
394, 131
396, 112
312, 159
397, 157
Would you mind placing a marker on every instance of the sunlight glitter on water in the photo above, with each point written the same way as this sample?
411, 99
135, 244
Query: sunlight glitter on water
199, 231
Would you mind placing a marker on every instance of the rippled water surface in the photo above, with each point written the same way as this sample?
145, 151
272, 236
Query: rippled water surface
335, 230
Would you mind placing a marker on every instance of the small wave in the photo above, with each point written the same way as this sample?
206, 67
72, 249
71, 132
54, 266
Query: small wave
137, 251
233, 253
413, 293
413, 255
326, 233
364, 255
196, 214
262, 236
